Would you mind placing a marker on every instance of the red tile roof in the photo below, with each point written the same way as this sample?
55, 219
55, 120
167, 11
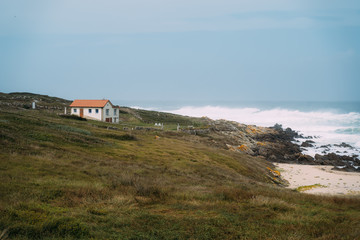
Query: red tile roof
89, 103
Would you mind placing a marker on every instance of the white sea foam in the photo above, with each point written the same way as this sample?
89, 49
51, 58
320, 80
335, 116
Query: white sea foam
327, 127
144, 108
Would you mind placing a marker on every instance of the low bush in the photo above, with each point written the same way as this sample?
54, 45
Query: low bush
125, 137
74, 117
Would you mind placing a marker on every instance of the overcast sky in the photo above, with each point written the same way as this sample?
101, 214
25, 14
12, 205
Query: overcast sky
182, 50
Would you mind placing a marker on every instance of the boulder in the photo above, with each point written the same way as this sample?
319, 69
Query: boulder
308, 143
305, 159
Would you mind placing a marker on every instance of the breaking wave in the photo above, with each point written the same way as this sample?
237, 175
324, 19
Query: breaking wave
326, 127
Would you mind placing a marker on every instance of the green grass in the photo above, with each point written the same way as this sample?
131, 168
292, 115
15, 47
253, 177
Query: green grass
61, 178
168, 118
309, 187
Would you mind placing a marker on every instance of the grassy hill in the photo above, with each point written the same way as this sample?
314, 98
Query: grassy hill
66, 178
23, 100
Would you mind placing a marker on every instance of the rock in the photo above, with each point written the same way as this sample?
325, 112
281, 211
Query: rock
272, 158
262, 151
337, 160
246, 149
274, 144
344, 145
319, 157
291, 133
325, 146
305, 159
307, 143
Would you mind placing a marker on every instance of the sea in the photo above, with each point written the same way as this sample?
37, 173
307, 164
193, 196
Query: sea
328, 124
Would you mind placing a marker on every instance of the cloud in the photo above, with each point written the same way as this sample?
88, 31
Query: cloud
99, 17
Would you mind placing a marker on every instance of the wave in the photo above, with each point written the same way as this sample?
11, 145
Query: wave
348, 130
289, 118
328, 127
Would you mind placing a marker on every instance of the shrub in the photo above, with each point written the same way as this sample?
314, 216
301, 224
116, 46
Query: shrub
125, 137
73, 117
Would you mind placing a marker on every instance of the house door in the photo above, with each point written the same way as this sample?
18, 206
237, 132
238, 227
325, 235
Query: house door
108, 120
81, 112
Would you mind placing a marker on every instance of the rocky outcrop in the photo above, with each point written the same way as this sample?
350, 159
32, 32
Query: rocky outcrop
275, 144
308, 143
345, 163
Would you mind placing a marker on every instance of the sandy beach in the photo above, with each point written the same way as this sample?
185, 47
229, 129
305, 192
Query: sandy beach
318, 179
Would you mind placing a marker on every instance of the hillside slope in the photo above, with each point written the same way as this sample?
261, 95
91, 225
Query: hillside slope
65, 178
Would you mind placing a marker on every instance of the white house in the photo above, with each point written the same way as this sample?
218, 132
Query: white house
101, 110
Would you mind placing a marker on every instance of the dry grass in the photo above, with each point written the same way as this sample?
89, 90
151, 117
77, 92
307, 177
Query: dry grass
269, 201
63, 178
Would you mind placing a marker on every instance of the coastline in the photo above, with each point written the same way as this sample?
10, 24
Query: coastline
329, 127
319, 179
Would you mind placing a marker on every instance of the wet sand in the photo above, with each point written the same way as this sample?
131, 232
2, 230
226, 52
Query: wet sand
332, 182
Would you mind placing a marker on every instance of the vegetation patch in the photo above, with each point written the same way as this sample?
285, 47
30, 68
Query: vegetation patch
124, 137
39, 221
309, 187
168, 118
74, 117
67, 128
243, 148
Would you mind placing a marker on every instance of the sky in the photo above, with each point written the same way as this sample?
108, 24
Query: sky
193, 50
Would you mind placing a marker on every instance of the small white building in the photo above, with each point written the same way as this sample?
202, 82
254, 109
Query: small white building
101, 110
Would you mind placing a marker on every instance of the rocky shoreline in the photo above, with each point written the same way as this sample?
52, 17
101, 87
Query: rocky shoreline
275, 144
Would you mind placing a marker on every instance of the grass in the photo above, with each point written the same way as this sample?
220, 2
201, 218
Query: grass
168, 118
309, 187
61, 178
122, 137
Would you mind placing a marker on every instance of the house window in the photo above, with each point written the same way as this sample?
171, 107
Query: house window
114, 112
107, 112
75, 110
90, 110
96, 110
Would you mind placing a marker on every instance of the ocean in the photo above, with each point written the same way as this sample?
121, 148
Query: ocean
328, 124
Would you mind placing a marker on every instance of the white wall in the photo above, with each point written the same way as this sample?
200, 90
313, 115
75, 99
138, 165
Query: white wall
75, 113
101, 115
93, 115
115, 117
